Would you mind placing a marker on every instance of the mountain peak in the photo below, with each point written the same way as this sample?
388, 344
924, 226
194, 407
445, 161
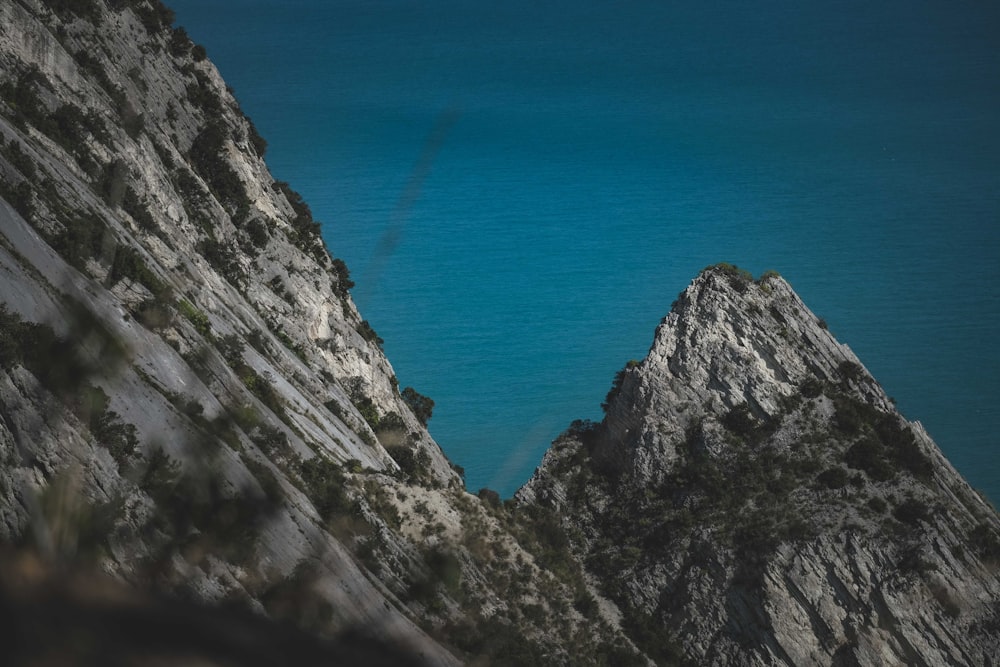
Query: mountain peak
754, 490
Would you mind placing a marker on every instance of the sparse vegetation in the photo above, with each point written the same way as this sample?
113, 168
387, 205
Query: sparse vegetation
324, 481
207, 156
197, 318
366, 331
421, 406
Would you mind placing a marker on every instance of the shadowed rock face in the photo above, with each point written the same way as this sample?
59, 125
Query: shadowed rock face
753, 494
79, 617
191, 404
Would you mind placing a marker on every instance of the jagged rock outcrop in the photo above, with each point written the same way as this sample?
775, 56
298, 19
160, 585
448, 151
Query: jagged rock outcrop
753, 497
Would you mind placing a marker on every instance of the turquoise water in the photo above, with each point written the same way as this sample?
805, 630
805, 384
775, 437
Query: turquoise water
522, 188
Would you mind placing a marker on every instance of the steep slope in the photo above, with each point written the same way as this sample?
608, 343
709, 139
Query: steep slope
753, 497
189, 399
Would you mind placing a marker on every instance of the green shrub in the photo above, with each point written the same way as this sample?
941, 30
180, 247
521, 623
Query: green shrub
411, 460
270, 439
490, 497
849, 370
83, 237
343, 275
155, 17
257, 234
253, 136
324, 481
390, 422
128, 263
739, 279
368, 333
262, 388
653, 638
421, 406
445, 568
137, 207
877, 505
208, 159
495, 641
225, 260
180, 43
231, 348
740, 421
366, 407
196, 317
768, 275
305, 230
93, 67
901, 444
616, 386
161, 476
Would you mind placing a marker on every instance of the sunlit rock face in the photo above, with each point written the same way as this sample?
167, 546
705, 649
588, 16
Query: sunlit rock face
753, 497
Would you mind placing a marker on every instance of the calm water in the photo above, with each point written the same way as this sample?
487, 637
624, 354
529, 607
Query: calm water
522, 188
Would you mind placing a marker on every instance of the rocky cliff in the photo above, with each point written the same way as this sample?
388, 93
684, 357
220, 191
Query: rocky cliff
189, 399
190, 403
753, 497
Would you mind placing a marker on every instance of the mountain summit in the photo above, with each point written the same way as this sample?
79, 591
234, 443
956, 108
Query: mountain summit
196, 419
753, 497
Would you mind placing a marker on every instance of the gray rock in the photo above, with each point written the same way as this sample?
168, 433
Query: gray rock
779, 510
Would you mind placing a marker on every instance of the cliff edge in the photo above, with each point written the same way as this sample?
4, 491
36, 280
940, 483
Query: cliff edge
753, 497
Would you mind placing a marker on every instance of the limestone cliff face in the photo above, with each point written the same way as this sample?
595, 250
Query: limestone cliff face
189, 399
218, 359
753, 497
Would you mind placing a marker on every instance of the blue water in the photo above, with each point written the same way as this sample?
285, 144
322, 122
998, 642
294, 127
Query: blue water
521, 188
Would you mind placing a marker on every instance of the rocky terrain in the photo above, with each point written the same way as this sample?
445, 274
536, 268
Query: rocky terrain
191, 404
753, 497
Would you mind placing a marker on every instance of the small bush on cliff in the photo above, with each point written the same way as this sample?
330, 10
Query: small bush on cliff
343, 275
324, 481
197, 318
128, 263
225, 260
616, 385
421, 406
413, 461
490, 497
155, 16
739, 279
208, 159
368, 333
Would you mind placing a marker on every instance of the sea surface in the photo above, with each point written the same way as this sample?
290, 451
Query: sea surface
522, 188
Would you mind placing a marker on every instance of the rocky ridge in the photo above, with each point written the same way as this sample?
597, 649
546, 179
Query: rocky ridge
191, 403
754, 492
